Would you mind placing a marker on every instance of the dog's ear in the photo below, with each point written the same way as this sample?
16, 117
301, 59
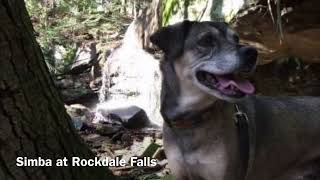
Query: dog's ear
171, 39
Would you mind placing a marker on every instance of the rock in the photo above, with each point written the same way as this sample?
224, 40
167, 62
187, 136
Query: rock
79, 110
65, 83
77, 123
78, 88
96, 84
107, 129
80, 95
86, 56
81, 116
131, 117
59, 52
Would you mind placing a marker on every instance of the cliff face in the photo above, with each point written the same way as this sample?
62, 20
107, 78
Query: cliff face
291, 30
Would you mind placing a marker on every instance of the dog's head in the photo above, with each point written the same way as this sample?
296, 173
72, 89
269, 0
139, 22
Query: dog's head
207, 59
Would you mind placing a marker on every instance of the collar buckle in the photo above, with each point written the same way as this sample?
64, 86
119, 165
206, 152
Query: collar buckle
239, 116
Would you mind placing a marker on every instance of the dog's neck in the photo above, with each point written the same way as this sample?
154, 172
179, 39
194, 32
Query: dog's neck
193, 119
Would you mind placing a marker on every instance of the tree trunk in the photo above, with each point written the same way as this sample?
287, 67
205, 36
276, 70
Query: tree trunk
124, 7
148, 22
136, 8
33, 121
186, 6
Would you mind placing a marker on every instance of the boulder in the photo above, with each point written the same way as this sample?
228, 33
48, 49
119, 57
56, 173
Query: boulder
131, 117
79, 95
80, 115
107, 129
78, 88
59, 53
86, 56
79, 110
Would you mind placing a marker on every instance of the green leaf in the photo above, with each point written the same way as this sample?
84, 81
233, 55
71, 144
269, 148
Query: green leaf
168, 8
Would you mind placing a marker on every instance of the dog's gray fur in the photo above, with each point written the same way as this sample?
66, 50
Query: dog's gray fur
286, 131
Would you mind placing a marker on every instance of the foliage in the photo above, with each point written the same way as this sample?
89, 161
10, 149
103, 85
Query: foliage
168, 9
64, 24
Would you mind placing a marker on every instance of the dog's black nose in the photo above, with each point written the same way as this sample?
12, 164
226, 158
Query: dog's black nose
248, 57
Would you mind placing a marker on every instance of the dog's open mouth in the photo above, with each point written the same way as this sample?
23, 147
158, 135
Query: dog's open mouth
228, 84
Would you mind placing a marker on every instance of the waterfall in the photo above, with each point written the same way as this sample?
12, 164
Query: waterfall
103, 95
131, 77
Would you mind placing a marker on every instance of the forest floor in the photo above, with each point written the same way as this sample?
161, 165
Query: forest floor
127, 143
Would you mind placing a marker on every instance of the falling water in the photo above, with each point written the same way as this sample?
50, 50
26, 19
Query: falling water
135, 78
103, 94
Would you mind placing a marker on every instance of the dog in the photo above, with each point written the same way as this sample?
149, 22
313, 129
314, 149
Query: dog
204, 69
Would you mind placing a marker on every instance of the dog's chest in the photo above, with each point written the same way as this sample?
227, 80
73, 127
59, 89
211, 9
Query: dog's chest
207, 164
203, 153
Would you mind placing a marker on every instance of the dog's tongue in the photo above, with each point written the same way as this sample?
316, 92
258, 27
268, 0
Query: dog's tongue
243, 85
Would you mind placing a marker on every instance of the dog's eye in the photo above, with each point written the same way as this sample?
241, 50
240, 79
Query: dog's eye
207, 41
